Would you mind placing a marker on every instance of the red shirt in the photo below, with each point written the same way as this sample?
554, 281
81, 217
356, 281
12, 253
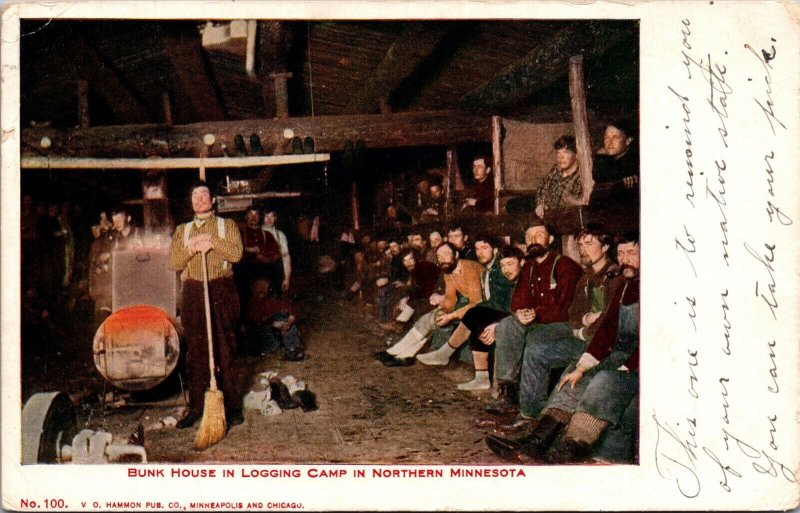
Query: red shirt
605, 339
423, 279
550, 300
267, 245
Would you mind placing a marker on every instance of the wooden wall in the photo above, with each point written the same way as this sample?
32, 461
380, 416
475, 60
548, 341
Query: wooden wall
528, 153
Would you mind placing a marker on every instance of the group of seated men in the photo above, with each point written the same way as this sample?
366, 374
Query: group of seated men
538, 312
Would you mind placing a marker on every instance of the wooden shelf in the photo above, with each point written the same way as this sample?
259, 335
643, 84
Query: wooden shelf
169, 163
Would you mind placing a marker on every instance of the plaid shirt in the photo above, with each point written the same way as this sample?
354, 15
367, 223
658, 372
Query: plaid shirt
225, 251
555, 188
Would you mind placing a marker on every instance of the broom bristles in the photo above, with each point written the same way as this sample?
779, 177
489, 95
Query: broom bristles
212, 426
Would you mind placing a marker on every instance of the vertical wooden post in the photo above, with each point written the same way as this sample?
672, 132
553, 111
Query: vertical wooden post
281, 94
83, 103
497, 159
580, 121
250, 56
452, 171
386, 109
166, 105
354, 206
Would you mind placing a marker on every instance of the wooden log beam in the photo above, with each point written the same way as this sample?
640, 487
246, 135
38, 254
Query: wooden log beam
89, 64
546, 63
404, 129
194, 87
580, 121
405, 55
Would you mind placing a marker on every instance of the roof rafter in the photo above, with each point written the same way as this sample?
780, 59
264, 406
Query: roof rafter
405, 55
546, 63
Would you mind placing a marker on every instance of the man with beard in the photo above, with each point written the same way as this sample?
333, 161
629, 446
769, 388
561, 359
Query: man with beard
557, 345
434, 240
597, 392
461, 277
478, 325
541, 297
422, 278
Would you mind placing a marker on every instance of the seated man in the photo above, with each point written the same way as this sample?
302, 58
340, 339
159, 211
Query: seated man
599, 390
561, 187
271, 322
543, 293
433, 206
481, 195
561, 344
460, 277
434, 241
414, 292
460, 241
478, 324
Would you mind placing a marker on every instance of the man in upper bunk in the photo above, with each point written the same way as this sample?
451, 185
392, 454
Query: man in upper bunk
616, 166
481, 196
562, 186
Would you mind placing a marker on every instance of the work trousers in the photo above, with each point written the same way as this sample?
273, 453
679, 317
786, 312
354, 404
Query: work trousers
551, 346
511, 337
476, 320
224, 316
265, 338
619, 441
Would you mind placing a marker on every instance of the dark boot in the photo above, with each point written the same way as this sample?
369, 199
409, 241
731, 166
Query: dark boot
536, 444
569, 452
532, 447
508, 400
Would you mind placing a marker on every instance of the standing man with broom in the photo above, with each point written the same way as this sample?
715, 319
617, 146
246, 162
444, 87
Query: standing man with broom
206, 249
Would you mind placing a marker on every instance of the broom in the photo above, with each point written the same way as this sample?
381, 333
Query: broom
212, 425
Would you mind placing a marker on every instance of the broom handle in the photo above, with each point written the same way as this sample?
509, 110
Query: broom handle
207, 301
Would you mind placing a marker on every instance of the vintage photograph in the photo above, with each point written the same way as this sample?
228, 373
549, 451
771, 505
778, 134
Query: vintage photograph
329, 241
374, 255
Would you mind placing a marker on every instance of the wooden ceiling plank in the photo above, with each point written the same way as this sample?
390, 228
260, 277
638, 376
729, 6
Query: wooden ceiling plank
104, 78
195, 84
545, 64
410, 49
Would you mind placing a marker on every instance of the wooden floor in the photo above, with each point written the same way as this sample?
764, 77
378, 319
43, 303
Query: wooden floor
367, 413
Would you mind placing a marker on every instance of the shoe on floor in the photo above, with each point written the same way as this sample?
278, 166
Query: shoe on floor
400, 362
383, 356
507, 450
234, 418
296, 355
188, 420
568, 452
